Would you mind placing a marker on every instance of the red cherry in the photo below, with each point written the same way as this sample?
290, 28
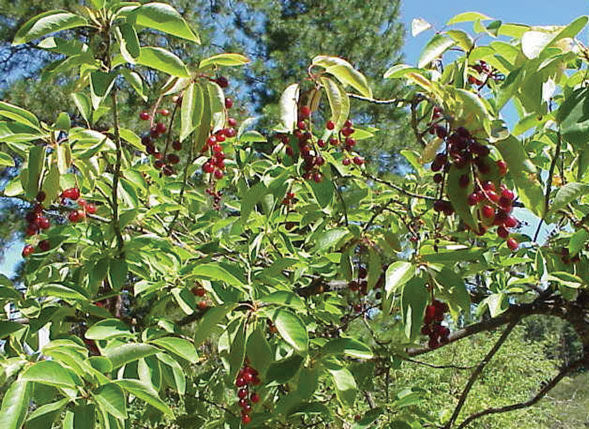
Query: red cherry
228, 103
240, 382
512, 244
333, 141
43, 222
71, 193
242, 393
164, 112
231, 122
246, 419
220, 138
32, 229
346, 161
502, 232
28, 250
90, 208
146, 141
44, 245
492, 196
358, 160
473, 199
208, 167
230, 132
167, 170
502, 166
255, 398
158, 164
348, 123
305, 112
510, 222
489, 186
41, 196
301, 125
161, 128
74, 216
211, 140
217, 148
82, 202
144, 116
176, 145
222, 81
488, 212
330, 125
173, 158
508, 194
218, 174
202, 305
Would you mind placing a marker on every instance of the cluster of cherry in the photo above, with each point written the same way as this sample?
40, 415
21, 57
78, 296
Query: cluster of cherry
464, 152
246, 377
360, 287
432, 326
38, 221
162, 160
200, 292
310, 150
485, 72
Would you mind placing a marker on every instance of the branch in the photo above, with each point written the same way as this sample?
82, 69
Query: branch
515, 312
549, 183
374, 101
563, 373
478, 371
448, 366
397, 187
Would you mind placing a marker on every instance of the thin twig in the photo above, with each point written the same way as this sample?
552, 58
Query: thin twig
478, 371
549, 184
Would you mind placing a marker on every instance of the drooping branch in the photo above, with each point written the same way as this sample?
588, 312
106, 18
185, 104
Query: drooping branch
479, 369
549, 386
549, 183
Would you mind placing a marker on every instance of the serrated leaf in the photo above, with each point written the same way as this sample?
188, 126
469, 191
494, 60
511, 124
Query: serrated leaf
178, 346
145, 393
192, 110
123, 354
291, 328
458, 195
108, 328
209, 321
567, 194
14, 405
468, 17
345, 73
111, 398
347, 346
49, 373
414, 299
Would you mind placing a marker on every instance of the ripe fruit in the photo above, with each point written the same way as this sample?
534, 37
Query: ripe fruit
74, 216
41, 196
222, 81
160, 128
202, 305
71, 193
512, 244
305, 112
90, 208
358, 160
176, 145
173, 158
144, 116
199, 291
231, 122
218, 174
510, 222
488, 212
28, 250
44, 245
330, 125
246, 419
347, 161
228, 103
43, 222
502, 166
164, 112
502, 232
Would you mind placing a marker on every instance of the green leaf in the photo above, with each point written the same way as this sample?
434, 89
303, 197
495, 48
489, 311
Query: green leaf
145, 393
123, 354
374, 267
454, 288
44, 416
214, 271
192, 110
467, 17
226, 59
398, 273
163, 17
435, 47
348, 347
578, 241
572, 116
134, 79
209, 321
63, 122
34, 169
82, 417
162, 60
323, 191
523, 173
567, 194
50, 373
47, 23
19, 115
291, 328
339, 102
345, 73
108, 328
128, 42
117, 273
283, 297
345, 385
258, 350
330, 238
14, 405
111, 398
462, 39
61, 291
98, 4
288, 109
414, 299
179, 347
8, 327
237, 349
83, 104
6, 160
285, 369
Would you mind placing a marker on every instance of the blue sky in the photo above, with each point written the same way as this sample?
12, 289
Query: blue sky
531, 12
437, 12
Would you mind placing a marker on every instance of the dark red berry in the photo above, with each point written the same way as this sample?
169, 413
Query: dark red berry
144, 116
176, 145
41, 196
330, 125
305, 112
222, 81
44, 245
228, 103
28, 250
173, 158
161, 128
502, 232
90, 208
